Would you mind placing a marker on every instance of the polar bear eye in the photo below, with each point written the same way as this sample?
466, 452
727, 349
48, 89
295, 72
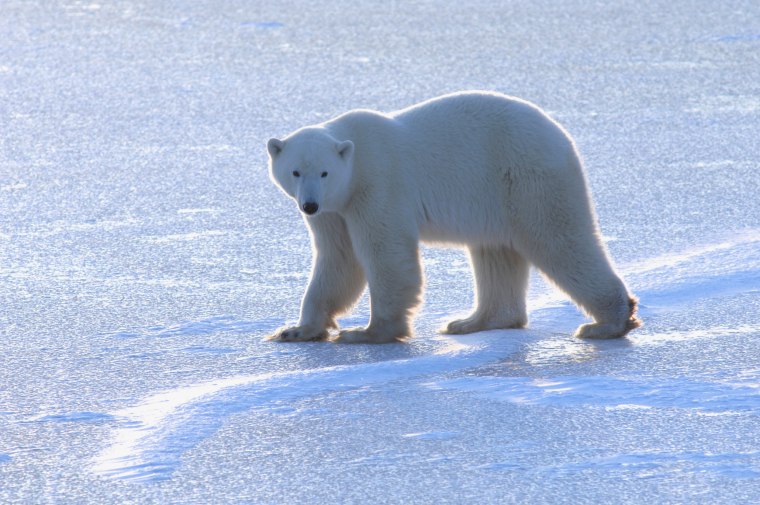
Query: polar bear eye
296, 173
324, 174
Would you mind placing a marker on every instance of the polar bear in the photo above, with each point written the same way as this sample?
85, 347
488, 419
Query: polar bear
480, 169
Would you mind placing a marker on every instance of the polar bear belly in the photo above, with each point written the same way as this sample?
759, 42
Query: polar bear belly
462, 218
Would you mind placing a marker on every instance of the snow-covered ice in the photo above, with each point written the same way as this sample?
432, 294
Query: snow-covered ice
144, 254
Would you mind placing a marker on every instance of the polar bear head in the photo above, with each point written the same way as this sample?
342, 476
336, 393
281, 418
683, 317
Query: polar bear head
313, 168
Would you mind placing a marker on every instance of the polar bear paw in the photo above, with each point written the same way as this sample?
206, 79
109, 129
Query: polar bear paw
365, 336
463, 326
299, 334
600, 331
476, 323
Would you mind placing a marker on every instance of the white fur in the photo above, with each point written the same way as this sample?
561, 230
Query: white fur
485, 170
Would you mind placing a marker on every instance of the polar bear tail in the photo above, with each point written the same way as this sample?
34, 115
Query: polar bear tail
633, 320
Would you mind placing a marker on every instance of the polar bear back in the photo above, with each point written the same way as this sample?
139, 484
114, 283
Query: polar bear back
474, 164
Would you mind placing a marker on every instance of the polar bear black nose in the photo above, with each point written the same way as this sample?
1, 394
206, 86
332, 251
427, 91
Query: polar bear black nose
310, 207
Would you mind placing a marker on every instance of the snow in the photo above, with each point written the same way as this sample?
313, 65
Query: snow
144, 255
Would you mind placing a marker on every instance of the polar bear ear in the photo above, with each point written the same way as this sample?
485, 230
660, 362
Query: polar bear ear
275, 147
345, 149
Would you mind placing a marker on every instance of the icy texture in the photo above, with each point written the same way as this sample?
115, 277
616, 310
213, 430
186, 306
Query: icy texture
144, 254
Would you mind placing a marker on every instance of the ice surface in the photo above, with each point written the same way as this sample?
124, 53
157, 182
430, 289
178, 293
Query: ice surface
144, 254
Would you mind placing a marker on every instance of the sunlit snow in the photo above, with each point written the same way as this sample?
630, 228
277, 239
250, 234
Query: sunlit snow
144, 255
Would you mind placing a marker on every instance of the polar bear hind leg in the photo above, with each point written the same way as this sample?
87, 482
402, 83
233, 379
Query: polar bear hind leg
501, 283
579, 266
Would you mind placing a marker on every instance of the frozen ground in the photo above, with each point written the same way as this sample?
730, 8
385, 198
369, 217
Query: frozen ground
144, 254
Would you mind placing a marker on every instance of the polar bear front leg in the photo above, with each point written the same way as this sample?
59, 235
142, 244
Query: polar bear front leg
394, 272
337, 281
